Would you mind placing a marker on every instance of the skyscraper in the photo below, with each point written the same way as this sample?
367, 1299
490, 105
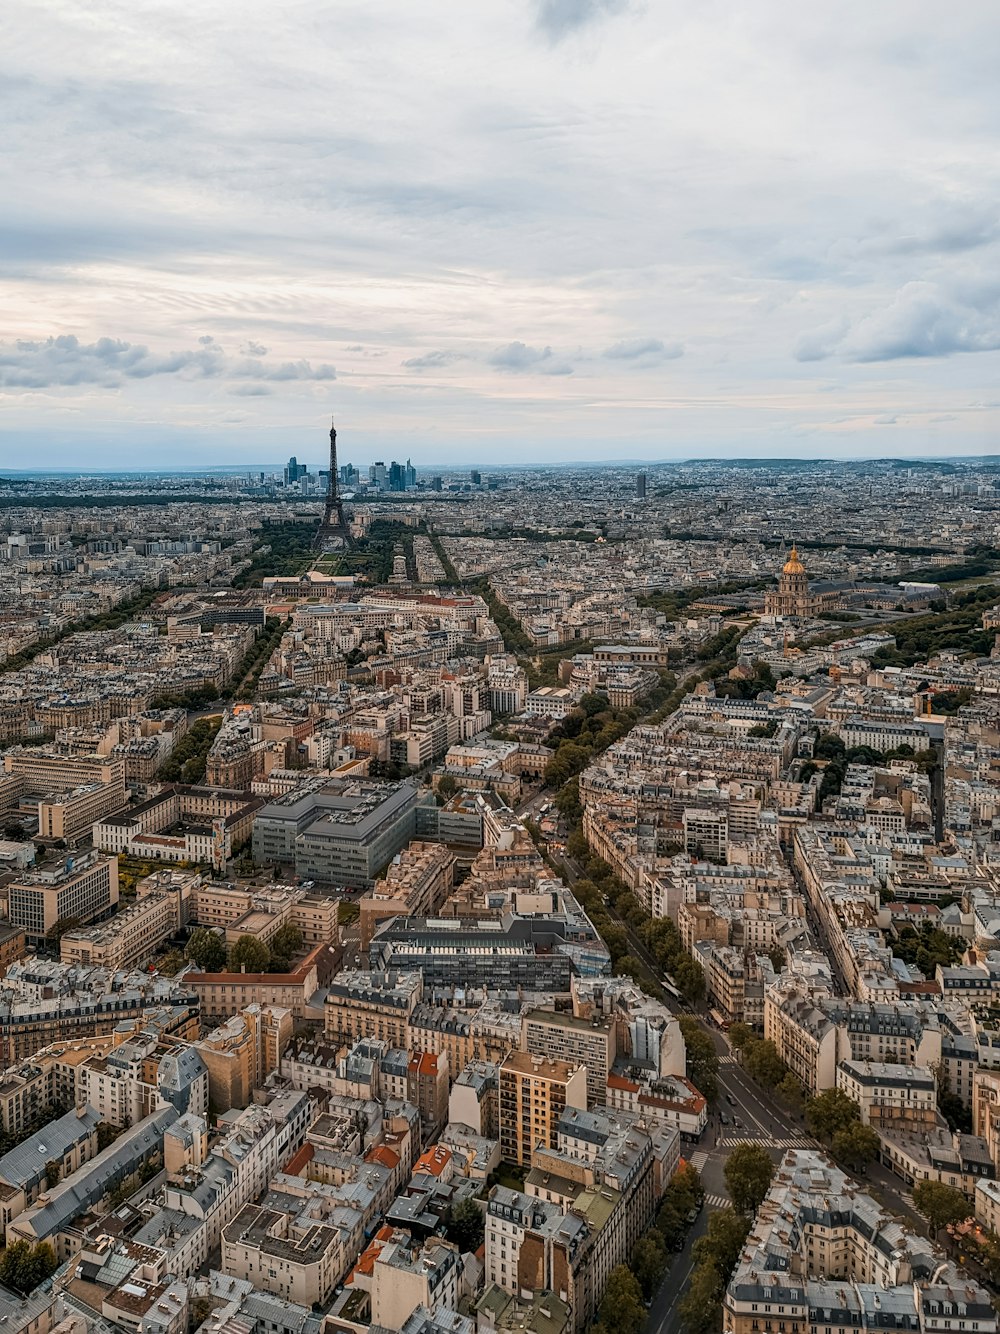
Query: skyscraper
640, 486
476, 478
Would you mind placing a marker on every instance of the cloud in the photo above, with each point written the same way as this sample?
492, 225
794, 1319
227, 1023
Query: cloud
253, 349
250, 390
820, 343
433, 360
922, 320
62, 361
519, 357
285, 370
644, 351
557, 18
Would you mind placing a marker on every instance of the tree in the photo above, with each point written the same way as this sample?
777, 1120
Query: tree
683, 1194
723, 1241
941, 1205
702, 1059
207, 950
622, 1309
570, 759
53, 1173
740, 1036
701, 1309
447, 785
762, 1062
829, 1112
56, 933
249, 955
23, 1266
465, 1225
690, 978
856, 1145
748, 1174
170, 963
15, 832
791, 1092
106, 1135
648, 1262
287, 942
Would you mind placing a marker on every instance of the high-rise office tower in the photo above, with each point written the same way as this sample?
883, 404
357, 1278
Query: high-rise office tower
640, 486
476, 478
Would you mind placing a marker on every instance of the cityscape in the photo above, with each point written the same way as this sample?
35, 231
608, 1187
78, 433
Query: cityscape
499, 668
542, 899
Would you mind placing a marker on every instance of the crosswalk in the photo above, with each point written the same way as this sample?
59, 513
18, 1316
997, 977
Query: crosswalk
768, 1142
728, 1059
699, 1159
717, 1202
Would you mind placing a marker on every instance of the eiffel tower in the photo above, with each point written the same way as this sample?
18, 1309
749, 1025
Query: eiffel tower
333, 533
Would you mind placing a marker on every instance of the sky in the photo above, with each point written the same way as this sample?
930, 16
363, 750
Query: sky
506, 231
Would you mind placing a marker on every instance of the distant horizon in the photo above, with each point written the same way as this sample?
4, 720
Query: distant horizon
471, 465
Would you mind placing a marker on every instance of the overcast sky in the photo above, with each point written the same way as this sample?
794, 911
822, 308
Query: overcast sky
498, 230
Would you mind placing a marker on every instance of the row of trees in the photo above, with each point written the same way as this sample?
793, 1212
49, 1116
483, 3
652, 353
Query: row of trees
594, 726
663, 940
249, 954
189, 756
622, 1310
748, 1173
256, 658
831, 1116
109, 620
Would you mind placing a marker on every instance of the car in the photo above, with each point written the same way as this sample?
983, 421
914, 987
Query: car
692, 1215
724, 1118
737, 1122
731, 1100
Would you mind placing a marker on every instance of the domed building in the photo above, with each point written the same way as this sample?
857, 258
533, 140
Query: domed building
793, 597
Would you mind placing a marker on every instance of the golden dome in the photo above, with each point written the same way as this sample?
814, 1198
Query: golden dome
793, 565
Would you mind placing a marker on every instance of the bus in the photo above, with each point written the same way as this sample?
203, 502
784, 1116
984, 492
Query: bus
718, 1021
670, 988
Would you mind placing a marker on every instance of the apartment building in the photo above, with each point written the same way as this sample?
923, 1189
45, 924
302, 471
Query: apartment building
417, 881
264, 910
301, 1262
44, 771
69, 1141
53, 1216
221, 994
206, 1188
130, 937
590, 1042
141, 1075
534, 1092
12, 946
242, 1051
83, 889
408, 1274
822, 1255
71, 815
376, 1005
904, 1096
